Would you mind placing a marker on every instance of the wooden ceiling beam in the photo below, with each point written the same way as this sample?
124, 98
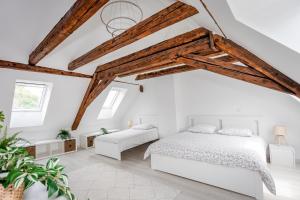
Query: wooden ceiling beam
138, 71
164, 72
166, 17
83, 106
256, 63
24, 67
79, 13
227, 58
162, 46
227, 65
265, 82
94, 89
161, 58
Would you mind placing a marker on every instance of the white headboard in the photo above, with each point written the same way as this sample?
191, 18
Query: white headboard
204, 119
227, 121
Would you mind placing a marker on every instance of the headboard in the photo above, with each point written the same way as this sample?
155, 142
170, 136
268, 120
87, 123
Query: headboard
227, 121
204, 119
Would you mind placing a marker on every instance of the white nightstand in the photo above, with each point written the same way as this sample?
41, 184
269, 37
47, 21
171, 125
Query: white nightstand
282, 155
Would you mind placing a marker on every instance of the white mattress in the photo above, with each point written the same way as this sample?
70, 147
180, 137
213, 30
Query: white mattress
129, 138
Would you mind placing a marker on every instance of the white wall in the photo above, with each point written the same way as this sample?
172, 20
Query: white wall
157, 100
201, 92
67, 94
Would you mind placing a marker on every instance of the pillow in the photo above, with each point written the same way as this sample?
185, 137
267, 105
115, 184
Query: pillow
236, 132
203, 128
143, 127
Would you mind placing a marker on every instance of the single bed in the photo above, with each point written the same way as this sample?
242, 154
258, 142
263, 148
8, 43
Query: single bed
113, 144
230, 162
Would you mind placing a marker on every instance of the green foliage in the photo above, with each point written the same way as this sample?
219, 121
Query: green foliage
104, 131
19, 168
2, 117
63, 134
26, 99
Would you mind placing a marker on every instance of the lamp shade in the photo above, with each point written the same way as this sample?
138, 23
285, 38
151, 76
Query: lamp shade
129, 123
280, 130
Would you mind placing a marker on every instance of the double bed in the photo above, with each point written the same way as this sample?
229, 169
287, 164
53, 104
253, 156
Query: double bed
231, 162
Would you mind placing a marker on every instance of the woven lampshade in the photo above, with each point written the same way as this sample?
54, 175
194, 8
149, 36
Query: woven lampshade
280, 130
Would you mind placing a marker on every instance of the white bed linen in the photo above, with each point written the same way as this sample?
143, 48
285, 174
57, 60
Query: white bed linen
129, 138
231, 151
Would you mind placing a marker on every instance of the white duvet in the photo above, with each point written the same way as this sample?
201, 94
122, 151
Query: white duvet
231, 151
129, 138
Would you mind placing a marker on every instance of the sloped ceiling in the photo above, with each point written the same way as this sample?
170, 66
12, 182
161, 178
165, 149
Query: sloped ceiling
25, 23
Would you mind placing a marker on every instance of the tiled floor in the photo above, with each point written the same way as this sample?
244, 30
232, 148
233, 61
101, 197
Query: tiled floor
96, 177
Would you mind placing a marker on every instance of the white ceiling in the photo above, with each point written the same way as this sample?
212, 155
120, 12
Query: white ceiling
25, 23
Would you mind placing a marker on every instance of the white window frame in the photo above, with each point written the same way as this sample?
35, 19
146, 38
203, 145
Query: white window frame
42, 100
122, 92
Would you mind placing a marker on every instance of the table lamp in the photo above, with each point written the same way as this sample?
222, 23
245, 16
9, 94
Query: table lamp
129, 123
280, 132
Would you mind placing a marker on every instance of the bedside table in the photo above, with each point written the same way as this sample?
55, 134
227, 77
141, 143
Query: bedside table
282, 155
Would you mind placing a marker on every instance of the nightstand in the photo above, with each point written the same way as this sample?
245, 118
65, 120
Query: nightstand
282, 155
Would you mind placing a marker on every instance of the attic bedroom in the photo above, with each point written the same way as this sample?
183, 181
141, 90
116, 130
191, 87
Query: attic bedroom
140, 100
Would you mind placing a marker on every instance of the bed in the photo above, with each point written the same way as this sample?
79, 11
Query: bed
113, 144
229, 162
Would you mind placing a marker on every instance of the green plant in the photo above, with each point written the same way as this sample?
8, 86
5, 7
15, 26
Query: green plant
63, 134
18, 168
2, 117
104, 131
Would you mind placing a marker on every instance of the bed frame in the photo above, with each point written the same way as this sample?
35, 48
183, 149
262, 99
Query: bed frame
239, 180
112, 150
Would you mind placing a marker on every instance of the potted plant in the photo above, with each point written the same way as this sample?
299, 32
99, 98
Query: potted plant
18, 171
104, 131
63, 134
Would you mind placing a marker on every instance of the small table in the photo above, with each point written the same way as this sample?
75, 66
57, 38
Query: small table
282, 155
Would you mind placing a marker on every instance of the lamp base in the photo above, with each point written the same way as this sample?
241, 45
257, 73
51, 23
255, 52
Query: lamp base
280, 140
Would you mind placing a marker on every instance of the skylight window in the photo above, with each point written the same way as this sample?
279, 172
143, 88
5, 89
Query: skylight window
112, 102
30, 103
29, 97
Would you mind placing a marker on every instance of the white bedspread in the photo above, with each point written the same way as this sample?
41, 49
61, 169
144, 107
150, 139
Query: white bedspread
231, 151
129, 138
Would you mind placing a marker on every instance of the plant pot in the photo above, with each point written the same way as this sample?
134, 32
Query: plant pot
11, 193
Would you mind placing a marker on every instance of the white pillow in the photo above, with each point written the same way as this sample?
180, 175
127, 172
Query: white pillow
143, 127
236, 132
203, 128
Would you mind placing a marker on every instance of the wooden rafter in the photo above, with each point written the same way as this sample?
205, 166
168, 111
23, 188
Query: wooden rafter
258, 64
223, 64
164, 72
162, 46
24, 67
79, 13
94, 89
138, 71
166, 17
157, 59
265, 82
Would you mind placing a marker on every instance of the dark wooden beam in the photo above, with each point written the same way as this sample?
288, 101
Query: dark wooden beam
162, 46
164, 72
265, 82
227, 58
255, 62
79, 13
158, 59
138, 71
223, 64
24, 67
166, 17
94, 89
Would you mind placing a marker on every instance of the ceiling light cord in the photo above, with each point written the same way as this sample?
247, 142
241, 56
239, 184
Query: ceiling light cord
213, 18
